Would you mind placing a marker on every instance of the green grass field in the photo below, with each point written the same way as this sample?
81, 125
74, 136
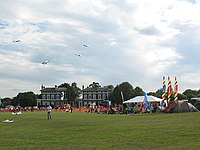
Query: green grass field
76, 131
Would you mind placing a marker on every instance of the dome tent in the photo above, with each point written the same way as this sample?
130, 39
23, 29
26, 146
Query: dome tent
181, 106
197, 105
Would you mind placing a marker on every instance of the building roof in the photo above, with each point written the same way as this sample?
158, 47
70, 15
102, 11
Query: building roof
89, 89
53, 89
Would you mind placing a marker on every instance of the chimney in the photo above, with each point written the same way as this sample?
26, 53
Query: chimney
42, 87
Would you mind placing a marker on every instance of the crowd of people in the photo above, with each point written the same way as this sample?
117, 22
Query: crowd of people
123, 109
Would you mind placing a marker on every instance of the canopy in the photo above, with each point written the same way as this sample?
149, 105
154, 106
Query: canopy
140, 99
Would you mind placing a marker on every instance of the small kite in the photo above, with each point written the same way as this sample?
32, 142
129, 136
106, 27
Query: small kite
79, 55
86, 45
8, 121
45, 62
16, 41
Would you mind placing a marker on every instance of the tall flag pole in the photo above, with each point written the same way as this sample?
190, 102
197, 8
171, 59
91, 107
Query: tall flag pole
169, 89
163, 91
176, 90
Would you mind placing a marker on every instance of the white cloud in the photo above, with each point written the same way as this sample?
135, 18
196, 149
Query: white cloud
136, 41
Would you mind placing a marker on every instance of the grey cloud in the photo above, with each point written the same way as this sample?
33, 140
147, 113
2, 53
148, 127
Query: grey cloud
150, 30
55, 31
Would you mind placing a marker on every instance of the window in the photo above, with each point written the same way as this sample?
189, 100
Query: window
52, 96
89, 96
43, 96
104, 96
85, 96
48, 96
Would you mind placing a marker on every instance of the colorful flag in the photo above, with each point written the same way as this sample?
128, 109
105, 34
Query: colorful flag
163, 91
169, 90
146, 102
176, 90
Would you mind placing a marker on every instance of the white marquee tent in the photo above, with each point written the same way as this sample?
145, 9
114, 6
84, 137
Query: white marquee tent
140, 99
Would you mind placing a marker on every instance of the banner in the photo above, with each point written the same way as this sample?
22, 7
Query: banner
175, 90
169, 90
163, 91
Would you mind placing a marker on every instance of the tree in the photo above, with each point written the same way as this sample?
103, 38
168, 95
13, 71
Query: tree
94, 85
181, 97
152, 93
138, 92
110, 86
115, 95
127, 90
6, 101
72, 92
190, 93
25, 99
159, 93
124, 88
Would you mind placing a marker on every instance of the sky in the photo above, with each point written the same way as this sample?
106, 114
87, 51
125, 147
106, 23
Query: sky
135, 41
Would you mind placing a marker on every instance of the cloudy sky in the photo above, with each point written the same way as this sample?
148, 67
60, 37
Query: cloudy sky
135, 41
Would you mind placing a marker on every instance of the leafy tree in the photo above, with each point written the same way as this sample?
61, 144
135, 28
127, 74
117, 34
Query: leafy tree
198, 93
190, 93
110, 86
127, 90
72, 92
138, 92
94, 85
25, 99
152, 93
181, 97
115, 95
6, 101
121, 92
159, 93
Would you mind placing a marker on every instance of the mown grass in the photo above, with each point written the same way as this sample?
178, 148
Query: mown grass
76, 131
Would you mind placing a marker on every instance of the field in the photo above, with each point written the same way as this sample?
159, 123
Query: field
76, 131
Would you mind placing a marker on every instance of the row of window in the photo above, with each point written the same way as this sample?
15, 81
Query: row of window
51, 103
86, 92
48, 96
86, 96
95, 96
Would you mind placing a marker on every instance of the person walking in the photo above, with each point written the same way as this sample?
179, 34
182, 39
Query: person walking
49, 109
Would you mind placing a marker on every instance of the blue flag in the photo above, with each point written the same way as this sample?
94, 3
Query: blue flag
146, 100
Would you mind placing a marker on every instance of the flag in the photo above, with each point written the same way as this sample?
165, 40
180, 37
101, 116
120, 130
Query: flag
122, 96
62, 95
146, 102
176, 90
169, 89
163, 91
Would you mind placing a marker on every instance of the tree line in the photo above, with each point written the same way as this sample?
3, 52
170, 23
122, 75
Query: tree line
120, 93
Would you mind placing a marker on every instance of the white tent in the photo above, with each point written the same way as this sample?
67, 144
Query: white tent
140, 99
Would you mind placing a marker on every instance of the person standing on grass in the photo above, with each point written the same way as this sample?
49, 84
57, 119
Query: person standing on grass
49, 109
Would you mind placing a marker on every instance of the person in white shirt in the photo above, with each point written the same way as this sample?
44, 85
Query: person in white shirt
49, 109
